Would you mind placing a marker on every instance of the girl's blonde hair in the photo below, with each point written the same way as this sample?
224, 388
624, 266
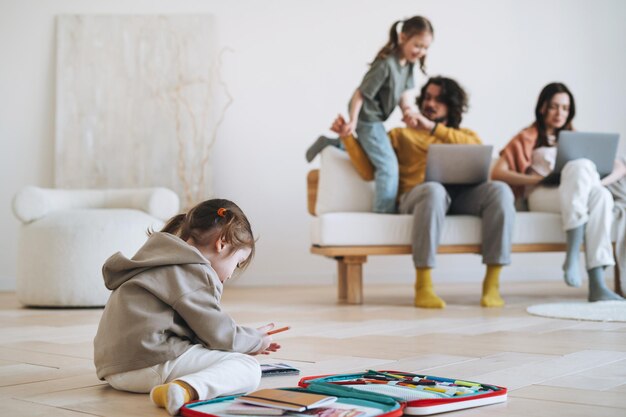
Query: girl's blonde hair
410, 27
214, 219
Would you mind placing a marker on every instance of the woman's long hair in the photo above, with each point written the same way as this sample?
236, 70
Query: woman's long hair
543, 101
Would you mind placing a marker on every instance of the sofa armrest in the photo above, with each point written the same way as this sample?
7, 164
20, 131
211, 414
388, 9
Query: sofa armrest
312, 180
32, 203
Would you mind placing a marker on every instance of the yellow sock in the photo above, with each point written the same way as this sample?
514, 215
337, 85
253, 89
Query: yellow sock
172, 398
425, 296
491, 287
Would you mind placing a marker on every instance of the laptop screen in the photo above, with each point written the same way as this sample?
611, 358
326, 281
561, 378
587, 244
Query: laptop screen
600, 148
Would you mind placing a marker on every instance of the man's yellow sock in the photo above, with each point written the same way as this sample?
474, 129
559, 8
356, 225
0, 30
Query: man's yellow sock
425, 296
172, 395
491, 287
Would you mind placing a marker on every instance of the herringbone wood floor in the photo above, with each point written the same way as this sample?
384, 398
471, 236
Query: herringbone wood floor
552, 367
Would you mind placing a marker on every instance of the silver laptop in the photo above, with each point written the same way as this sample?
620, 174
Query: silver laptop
458, 164
600, 148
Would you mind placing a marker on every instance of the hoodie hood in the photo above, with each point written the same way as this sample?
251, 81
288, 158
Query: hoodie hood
161, 249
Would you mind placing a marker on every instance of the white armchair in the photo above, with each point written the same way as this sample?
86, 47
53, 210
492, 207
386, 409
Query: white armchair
66, 235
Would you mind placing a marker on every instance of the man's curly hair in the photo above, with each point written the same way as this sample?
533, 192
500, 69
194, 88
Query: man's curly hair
452, 95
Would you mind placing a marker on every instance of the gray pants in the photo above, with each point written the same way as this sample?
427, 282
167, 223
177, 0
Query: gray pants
429, 202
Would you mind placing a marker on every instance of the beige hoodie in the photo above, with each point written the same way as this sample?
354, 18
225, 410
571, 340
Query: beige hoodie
165, 299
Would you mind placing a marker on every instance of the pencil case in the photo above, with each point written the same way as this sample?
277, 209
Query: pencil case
353, 403
418, 394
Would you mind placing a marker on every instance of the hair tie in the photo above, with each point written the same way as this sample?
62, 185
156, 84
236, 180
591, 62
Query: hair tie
221, 211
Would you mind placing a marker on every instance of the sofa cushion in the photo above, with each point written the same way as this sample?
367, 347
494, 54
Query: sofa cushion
345, 218
340, 188
371, 229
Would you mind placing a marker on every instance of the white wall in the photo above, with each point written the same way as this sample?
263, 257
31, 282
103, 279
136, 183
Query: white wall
294, 67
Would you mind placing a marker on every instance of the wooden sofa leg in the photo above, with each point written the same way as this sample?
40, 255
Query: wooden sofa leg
342, 277
350, 278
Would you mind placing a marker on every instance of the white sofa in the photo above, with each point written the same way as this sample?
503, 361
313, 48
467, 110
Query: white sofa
66, 235
344, 227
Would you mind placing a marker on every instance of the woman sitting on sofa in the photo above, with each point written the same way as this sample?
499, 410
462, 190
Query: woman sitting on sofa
582, 199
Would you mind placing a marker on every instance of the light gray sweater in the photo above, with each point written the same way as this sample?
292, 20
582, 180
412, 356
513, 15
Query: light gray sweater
165, 299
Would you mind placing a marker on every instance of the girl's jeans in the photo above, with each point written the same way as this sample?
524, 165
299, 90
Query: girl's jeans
376, 144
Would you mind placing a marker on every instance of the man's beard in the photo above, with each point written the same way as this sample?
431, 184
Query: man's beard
428, 112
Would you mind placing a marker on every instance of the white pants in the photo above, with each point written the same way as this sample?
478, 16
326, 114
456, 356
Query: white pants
212, 373
580, 199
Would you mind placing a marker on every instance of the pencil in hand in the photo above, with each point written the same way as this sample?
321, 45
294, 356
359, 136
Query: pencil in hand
281, 329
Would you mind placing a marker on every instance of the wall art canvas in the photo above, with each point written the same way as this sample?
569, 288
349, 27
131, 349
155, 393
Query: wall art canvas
139, 101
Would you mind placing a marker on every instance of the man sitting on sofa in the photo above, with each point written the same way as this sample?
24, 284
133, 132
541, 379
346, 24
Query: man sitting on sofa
442, 102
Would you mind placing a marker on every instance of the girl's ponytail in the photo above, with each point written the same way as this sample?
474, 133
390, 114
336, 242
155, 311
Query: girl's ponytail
214, 219
391, 44
174, 224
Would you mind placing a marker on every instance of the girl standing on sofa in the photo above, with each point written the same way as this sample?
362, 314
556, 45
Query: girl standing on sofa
582, 199
163, 330
382, 88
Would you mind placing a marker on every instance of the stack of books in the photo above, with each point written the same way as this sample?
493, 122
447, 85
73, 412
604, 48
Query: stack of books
275, 402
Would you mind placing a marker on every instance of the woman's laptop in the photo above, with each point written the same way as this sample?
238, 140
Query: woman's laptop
458, 164
600, 148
